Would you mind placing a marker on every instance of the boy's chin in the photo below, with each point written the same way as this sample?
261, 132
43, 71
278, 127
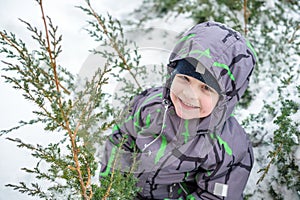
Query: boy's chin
187, 115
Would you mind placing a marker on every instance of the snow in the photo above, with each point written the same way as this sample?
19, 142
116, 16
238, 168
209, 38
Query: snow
269, 4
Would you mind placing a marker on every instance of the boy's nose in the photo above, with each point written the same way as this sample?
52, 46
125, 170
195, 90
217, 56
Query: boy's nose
190, 93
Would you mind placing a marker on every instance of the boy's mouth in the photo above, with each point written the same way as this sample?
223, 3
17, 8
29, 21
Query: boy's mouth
187, 105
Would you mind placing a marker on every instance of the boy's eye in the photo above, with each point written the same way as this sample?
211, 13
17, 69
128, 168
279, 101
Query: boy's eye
206, 88
185, 78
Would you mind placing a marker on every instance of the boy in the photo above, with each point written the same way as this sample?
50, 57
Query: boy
188, 144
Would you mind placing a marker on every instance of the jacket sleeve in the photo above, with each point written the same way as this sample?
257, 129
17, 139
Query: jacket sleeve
227, 180
120, 146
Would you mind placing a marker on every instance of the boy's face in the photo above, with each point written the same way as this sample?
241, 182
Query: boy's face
192, 98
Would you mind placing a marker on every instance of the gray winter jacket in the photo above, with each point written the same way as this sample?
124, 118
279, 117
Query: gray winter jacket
208, 158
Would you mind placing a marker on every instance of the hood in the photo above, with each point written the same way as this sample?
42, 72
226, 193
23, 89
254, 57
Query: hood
227, 56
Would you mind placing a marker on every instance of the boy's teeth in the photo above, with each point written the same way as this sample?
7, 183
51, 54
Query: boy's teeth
189, 104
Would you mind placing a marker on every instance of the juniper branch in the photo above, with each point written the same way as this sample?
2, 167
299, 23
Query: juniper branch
97, 81
53, 63
33, 191
29, 96
48, 91
71, 134
108, 190
23, 50
113, 43
266, 169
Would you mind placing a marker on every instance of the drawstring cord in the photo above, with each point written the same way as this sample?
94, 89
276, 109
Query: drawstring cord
167, 104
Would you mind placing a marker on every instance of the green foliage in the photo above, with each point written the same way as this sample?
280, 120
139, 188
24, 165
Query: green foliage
287, 135
198, 10
122, 186
80, 110
120, 57
274, 194
282, 115
246, 100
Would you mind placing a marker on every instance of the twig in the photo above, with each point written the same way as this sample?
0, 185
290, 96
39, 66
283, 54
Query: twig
114, 45
48, 114
11, 43
113, 171
266, 169
294, 34
246, 15
23, 56
85, 109
70, 132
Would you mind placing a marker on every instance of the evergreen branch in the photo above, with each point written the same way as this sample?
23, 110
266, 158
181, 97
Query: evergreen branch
294, 34
29, 96
21, 50
53, 63
266, 169
86, 112
108, 190
33, 79
38, 173
51, 154
22, 123
4, 37
75, 149
43, 44
56, 49
43, 85
91, 104
113, 44
39, 151
22, 144
33, 191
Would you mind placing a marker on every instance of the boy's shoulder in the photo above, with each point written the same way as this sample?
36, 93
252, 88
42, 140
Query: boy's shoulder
235, 135
148, 96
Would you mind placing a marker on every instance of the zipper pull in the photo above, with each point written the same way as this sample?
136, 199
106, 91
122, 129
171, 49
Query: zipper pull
171, 194
167, 103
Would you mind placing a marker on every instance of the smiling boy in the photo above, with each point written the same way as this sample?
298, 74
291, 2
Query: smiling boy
190, 95
188, 144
